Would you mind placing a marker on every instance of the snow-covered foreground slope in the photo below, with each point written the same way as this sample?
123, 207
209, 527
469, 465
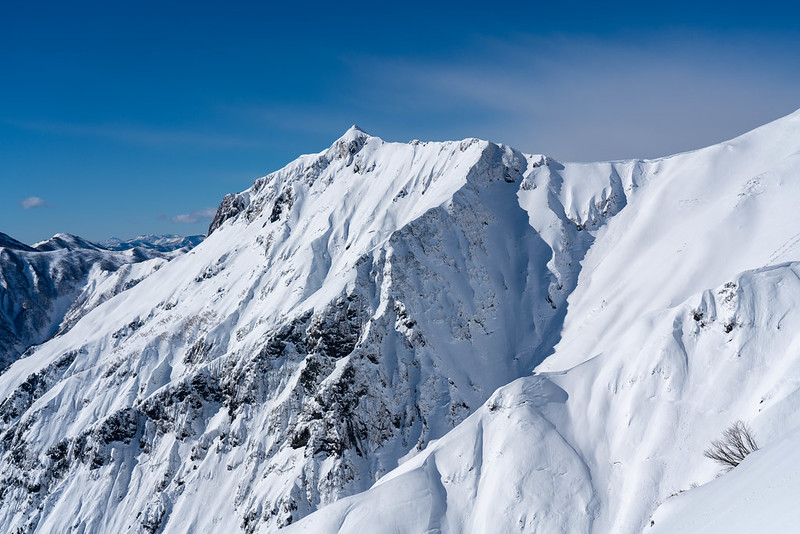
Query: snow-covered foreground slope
758, 496
44, 289
376, 338
599, 447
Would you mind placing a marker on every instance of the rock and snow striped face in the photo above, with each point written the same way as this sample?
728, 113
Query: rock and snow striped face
349, 309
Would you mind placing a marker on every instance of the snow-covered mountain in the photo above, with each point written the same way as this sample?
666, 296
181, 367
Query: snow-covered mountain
162, 243
46, 288
431, 337
684, 320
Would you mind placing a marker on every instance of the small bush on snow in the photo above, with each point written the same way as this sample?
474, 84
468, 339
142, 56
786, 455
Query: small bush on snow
735, 444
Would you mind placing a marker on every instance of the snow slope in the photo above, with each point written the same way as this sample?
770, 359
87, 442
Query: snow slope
440, 337
758, 496
599, 447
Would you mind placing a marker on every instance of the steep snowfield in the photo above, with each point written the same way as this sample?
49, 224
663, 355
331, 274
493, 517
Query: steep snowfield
700, 218
657, 385
599, 447
332, 352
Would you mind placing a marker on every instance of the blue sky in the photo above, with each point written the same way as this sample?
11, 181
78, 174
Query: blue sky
124, 118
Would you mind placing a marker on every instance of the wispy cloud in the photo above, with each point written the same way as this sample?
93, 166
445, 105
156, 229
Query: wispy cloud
204, 214
584, 98
136, 135
33, 202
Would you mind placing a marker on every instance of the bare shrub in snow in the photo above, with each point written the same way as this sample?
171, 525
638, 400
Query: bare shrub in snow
735, 444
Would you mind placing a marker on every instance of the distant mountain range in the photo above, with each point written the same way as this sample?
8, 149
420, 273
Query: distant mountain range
427, 337
163, 243
46, 287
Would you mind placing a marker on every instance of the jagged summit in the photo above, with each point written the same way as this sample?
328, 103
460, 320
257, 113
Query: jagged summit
406, 273
354, 131
358, 154
354, 154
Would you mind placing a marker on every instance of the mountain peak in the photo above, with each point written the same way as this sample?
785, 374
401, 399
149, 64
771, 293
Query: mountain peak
6, 241
64, 241
402, 323
349, 144
353, 135
354, 131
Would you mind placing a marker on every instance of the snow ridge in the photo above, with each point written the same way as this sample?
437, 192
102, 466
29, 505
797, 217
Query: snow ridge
162, 243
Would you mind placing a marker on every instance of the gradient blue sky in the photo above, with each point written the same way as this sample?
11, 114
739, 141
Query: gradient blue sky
124, 118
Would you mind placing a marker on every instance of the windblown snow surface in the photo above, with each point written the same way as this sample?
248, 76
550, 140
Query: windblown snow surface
437, 337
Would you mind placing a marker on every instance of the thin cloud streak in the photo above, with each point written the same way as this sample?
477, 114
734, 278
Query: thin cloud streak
32, 202
586, 99
205, 214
